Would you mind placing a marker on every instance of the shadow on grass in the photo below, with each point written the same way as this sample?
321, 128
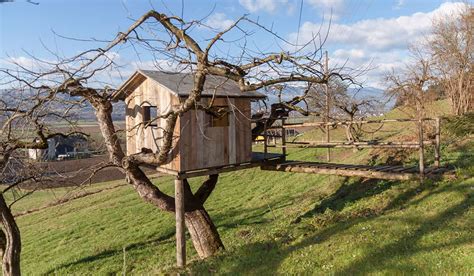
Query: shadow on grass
465, 159
111, 252
249, 258
347, 193
265, 257
408, 244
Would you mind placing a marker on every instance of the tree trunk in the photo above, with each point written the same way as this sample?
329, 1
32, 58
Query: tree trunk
11, 255
206, 239
204, 235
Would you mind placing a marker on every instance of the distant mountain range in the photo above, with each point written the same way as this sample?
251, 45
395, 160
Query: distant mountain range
365, 93
87, 112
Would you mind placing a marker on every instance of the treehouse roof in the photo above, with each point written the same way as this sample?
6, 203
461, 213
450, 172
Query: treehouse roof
181, 85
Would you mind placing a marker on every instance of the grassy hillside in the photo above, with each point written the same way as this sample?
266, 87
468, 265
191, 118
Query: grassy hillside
270, 222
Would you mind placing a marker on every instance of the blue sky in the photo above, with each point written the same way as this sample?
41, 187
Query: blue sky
374, 32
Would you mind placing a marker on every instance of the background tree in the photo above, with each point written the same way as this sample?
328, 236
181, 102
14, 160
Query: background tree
452, 48
352, 109
409, 85
26, 118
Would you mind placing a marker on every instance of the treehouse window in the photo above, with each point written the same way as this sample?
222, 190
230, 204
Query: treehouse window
219, 117
221, 121
149, 115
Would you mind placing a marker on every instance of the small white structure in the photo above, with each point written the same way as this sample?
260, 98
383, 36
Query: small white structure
58, 146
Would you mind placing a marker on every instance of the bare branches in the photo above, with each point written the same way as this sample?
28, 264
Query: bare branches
411, 85
452, 48
170, 37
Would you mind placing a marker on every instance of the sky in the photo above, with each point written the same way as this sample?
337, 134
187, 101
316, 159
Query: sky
363, 33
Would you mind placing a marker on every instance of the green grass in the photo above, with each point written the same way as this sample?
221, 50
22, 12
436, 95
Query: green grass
270, 222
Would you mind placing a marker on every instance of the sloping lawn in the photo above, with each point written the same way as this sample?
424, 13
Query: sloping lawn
270, 222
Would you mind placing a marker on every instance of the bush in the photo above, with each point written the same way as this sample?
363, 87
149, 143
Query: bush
460, 126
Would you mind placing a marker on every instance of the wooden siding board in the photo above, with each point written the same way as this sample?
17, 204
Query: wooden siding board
233, 139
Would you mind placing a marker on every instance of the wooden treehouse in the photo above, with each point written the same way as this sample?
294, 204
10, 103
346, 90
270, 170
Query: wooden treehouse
205, 144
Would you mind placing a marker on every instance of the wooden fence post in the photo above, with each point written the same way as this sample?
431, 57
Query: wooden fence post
283, 137
180, 230
265, 150
437, 149
328, 139
328, 109
421, 149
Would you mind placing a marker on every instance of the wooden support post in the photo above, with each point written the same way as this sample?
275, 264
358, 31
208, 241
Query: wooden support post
283, 138
326, 70
328, 139
180, 230
421, 149
437, 149
265, 149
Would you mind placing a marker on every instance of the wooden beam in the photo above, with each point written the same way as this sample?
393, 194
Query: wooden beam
257, 159
321, 145
265, 142
211, 171
302, 168
283, 137
356, 122
426, 142
328, 109
180, 230
437, 148
421, 150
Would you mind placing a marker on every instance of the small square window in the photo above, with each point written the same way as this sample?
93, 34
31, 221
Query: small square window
221, 121
149, 114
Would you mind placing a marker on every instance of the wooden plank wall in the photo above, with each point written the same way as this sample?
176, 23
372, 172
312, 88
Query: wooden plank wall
202, 146
149, 93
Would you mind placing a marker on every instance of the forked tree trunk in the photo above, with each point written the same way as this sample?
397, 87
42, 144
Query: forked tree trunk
203, 232
11, 254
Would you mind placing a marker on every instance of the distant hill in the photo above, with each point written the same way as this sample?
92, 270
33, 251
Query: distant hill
86, 113
365, 93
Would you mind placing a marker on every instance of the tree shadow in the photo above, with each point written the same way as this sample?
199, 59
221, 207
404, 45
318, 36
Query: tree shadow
113, 252
409, 242
348, 192
265, 257
465, 159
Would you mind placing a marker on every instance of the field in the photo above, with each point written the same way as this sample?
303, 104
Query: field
270, 223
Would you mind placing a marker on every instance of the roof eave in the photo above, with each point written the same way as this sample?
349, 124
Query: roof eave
121, 92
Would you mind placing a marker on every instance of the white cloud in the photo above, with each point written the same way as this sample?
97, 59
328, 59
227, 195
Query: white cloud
219, 21
264, 5
328, 8
381, 42
381, 33
26, 62
349, 54
399, 4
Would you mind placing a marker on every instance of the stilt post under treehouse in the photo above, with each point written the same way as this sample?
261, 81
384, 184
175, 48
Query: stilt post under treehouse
180, 230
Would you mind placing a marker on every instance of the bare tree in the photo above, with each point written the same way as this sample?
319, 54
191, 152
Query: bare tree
25, 119
170, 38
452, 48
350, 109
410, 84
